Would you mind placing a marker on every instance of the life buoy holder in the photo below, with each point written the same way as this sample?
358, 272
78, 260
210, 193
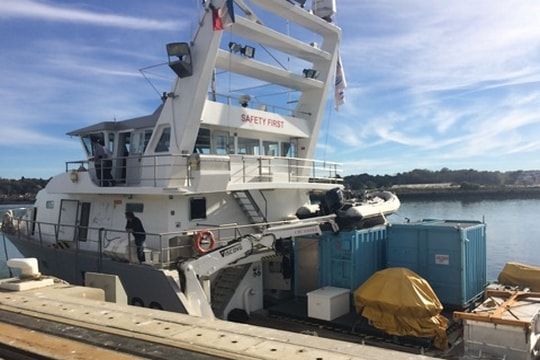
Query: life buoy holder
204, 241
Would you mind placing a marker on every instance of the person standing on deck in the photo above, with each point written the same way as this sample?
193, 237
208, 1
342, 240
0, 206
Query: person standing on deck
102, 162
135, 227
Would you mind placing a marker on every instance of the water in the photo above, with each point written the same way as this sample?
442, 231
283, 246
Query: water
513, 227
11, 250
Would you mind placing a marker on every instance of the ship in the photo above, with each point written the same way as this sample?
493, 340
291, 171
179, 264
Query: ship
215, 180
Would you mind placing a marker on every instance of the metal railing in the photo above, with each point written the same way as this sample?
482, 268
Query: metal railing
283, 169
255, 104
160, 170
135, 170
165, 249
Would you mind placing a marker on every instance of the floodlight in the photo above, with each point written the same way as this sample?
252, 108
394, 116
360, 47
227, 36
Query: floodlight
311, 73
235, 47
248, 52
180, 59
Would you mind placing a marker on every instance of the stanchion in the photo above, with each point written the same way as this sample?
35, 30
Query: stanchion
6, 254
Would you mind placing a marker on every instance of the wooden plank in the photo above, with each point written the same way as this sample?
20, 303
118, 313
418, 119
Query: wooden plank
505, 294
54, 347
493, 320
501, 309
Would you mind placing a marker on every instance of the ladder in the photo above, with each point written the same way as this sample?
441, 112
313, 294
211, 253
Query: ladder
224, 287
249, 207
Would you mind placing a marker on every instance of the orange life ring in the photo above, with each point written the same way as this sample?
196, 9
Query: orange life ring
204, 241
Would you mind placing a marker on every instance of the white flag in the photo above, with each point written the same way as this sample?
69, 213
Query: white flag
340, 85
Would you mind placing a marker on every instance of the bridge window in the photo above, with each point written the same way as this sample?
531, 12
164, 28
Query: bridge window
288, 149
110, 145
87, 142
271, 148
202, 145
222, 143
147, 136
164, 140
248, 146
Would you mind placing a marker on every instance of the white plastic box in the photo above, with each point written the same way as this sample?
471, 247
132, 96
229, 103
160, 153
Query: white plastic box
328, 303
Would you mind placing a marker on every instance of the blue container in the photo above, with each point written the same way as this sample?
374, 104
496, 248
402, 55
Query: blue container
349, 258
449, 254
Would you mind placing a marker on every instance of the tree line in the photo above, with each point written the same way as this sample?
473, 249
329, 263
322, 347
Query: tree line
23, 189
26, 188
464, 178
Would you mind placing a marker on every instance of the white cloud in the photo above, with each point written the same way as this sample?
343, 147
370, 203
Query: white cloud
325, 148
42, 10
443, 82
14, 136
430, 46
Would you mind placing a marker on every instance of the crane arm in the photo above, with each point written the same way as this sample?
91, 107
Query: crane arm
249, 248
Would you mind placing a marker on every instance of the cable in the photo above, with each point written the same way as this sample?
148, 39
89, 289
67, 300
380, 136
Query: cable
272, 56
326, 133
149, 82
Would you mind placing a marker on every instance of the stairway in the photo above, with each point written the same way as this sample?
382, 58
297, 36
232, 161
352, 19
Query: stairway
249, 206
224, 287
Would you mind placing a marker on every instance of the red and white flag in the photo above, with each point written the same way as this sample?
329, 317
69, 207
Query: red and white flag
224, 16
340, 84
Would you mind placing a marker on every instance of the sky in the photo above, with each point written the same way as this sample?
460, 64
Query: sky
430, 84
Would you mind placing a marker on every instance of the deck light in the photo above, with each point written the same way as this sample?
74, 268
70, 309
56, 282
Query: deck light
180, 59
235, 47
311, 73
247, 51
244, 100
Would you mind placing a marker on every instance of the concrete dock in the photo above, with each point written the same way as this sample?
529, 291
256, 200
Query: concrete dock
71, 322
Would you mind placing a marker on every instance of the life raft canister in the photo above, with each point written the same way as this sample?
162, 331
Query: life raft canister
204, 241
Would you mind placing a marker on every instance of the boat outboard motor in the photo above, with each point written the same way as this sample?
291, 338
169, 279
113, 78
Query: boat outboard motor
333, 201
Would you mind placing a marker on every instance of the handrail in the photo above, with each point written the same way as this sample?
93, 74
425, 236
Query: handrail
23, 227
209, 156
241, 168
283, 158
228, 97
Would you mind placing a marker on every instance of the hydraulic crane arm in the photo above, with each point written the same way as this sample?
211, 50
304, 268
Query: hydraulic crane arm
247, 249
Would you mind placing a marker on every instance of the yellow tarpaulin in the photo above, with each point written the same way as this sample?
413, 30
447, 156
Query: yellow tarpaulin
400, 302
521, 275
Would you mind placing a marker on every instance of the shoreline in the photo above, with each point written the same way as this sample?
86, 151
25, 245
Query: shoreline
506, 193
17, 201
